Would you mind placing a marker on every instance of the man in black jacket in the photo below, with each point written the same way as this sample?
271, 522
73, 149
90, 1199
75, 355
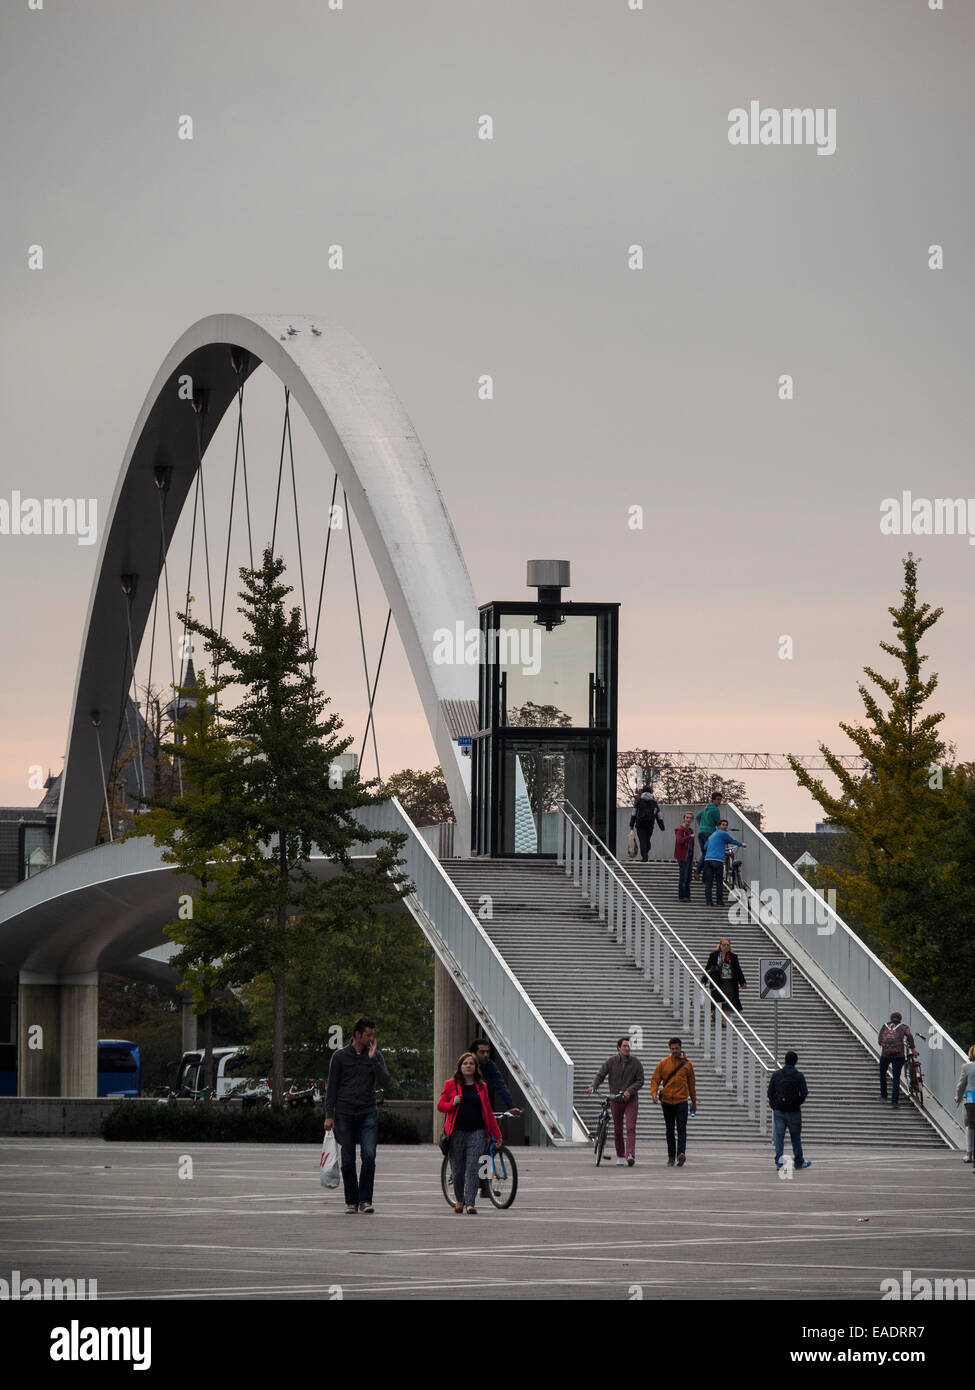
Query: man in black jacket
646, 812
787, 1090
354, 1075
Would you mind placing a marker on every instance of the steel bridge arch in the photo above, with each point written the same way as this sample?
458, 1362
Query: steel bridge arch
391, 489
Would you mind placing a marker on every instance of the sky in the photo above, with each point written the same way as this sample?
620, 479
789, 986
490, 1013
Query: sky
615, 388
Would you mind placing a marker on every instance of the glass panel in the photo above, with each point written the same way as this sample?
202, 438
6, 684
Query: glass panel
550, 679
535, 778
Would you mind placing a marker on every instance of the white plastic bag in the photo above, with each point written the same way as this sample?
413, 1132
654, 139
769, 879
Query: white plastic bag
632, 845
330, 1161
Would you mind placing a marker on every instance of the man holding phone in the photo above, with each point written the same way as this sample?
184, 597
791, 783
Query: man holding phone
354, 1075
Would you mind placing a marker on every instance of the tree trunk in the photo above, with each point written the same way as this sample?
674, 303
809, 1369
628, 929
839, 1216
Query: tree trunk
208, 1080
277, 1064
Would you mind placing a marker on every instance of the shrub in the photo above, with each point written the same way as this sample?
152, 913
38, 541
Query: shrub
214, 1122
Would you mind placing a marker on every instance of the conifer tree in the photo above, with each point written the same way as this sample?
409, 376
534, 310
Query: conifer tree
262, 793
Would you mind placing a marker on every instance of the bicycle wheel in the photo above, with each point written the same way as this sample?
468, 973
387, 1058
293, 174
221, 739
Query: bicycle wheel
502, 1183
446, 1181
602, 1126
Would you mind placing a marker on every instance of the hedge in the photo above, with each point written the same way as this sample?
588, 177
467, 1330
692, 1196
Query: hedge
213, 1122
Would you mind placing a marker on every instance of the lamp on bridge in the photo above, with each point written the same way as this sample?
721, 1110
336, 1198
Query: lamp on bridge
547, 722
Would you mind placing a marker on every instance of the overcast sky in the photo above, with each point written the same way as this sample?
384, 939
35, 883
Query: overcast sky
614, 387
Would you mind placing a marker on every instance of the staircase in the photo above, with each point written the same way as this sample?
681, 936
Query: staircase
589, 994
583, 986
843, 1105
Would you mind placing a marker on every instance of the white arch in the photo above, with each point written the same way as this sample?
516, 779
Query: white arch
391, 489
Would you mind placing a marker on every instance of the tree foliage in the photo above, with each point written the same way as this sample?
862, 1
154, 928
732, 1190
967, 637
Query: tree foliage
904, 884
675, 784
261, 796
423, 795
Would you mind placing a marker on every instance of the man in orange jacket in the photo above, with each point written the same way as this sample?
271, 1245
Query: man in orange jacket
674, 1079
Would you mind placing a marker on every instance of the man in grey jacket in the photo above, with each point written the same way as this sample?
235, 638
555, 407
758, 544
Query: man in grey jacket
354, 1075
625, 1078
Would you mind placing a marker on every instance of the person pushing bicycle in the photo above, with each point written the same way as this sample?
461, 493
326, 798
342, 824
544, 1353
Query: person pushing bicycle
625, 1078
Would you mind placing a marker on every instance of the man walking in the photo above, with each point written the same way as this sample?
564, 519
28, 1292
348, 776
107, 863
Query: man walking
354, 1075
645, 813
707, 820
674, 1079
787, 1090
498, 1093
893, 1036
718, 842
625, 1075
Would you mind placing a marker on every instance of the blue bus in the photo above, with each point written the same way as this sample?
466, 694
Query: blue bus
119, 1068
8, 1069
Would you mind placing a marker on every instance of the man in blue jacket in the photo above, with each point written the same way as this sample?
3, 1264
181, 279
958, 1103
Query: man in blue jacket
787, 1090
497, 1090
718, 841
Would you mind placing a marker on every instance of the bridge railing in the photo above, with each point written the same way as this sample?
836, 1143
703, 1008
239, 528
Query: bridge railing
535, 1056
854, 980
671, 973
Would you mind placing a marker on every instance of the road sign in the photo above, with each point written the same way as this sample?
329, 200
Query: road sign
465, 740
775, 973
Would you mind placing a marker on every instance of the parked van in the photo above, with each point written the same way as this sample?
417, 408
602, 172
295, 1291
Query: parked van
232, 1079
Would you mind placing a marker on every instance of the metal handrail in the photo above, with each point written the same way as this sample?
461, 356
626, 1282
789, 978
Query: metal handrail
534, 1055
846, 979
608, 854
743, 1067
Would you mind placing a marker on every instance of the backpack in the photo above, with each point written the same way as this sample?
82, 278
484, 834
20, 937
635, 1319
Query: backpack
646, 809
787, 1094
891, 1042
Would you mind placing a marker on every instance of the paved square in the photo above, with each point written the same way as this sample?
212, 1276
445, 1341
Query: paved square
254, 1222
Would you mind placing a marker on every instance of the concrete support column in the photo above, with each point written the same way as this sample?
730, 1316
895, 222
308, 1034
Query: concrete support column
38, 1047
190, 1021
79, 1035
454, 1026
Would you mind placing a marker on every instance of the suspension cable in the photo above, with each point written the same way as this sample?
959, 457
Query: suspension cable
135, 688
294, 490
243, 459
321, 590
101, 764
203, 507
379, 667
362, 636
277, 493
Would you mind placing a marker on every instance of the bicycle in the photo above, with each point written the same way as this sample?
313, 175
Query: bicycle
915, 1078
602, 1127
732, 870
501, 1176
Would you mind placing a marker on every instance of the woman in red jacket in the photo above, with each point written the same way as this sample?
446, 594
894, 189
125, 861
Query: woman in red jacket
464, 1101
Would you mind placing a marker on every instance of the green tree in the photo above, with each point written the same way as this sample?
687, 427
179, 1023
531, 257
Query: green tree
380, 966
423, 795
910, 798
261, 794
675, 784
903, 884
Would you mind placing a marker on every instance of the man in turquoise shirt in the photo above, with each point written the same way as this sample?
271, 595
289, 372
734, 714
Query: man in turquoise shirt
707, 819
